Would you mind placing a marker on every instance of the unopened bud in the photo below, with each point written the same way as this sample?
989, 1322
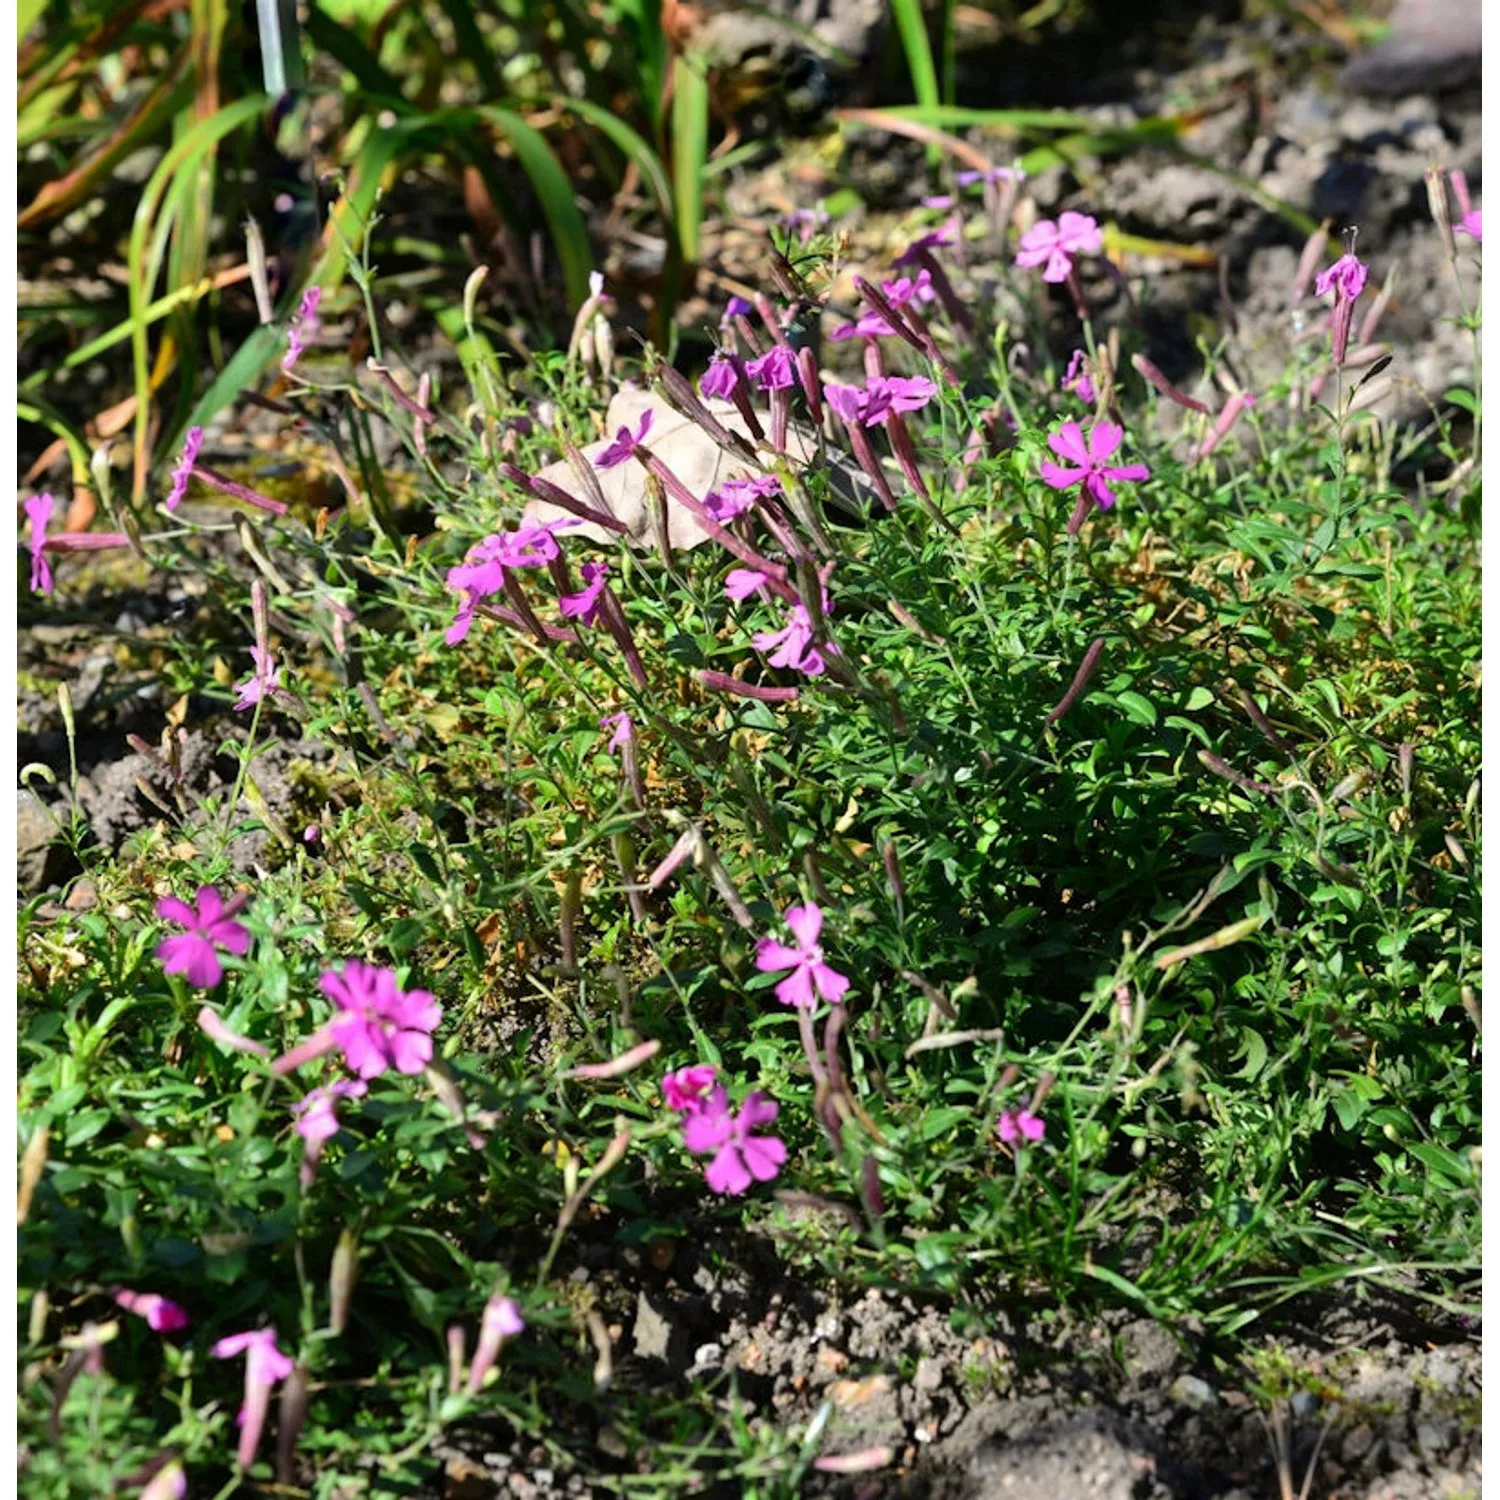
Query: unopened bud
291, 1414
1437, 204
343, 1272
1308, 262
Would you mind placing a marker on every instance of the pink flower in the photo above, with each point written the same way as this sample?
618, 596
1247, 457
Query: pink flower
774, 370
884, 395
191, 446
1020, 1124
1346, 277
168, 1483
380, 1026
721, 376
624, 444
624, 730
193, 953
1472, 223
1053, 245
265, 1364
316, 1120
1078, 380
685, 1090
740, 583
161, 1313
1090, 458
585, 603
500, 1320
264, 679
739, 1157
934, 239
306, 321
39, 513
482, 572
736, 307
794, 644
809, 970
735, 496
898, 293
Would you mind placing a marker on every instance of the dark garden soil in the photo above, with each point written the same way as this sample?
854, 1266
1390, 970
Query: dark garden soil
1026, 1402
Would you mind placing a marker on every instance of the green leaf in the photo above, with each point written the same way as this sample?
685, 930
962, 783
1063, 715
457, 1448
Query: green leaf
1137, 708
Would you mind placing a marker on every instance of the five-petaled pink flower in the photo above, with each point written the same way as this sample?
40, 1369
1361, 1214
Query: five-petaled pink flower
1053, 245
1020, 1124
482, 572
624, 444
883, 395
500, 1320
265, 1364
1346, 277
191, 446
740, 1158
735, 496
39, 513
810, 971
585, 604
379, 1024
193, 953
793, 643
316, 1118
266, 678
624, 730
872, 324
1078, 380
721, 376
1090, 460
775, 370
686, 1090
740, 583
161, 1313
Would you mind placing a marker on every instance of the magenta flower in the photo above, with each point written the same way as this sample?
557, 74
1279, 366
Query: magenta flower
316, 1120
883, 395
898, 293
193, 954
265, 1364
793, 644
775, 370
739, 1157
735, 496
1346, 277
740, 583
686, 1090
191, 446
1078, 380
721, 376
380, 1026
1090, 458
264, 679
624, 730
585, 604
810, 972
1020, 1124
934, 239
1472, 223
39, 513
318, 1123
624, 444
482, 572
304, 323
736, 307
161, 1313
1053, 245
500, 1320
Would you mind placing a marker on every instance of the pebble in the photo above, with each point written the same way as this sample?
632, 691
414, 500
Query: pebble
1192, 1391
929, 1374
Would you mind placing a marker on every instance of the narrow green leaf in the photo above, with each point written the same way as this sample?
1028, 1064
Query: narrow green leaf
689, 152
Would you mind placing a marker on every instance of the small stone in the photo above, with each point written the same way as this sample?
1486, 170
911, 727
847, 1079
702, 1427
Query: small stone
1434, 1438
1357, 1442
708, 1357
652, 1333
929, 1374
39, 858
1192, 1392
1304, 1404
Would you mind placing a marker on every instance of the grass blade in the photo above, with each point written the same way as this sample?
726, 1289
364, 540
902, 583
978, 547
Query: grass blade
689, 152
911, 24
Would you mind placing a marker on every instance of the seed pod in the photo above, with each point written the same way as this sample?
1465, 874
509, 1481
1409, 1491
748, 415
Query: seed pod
342, 1274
